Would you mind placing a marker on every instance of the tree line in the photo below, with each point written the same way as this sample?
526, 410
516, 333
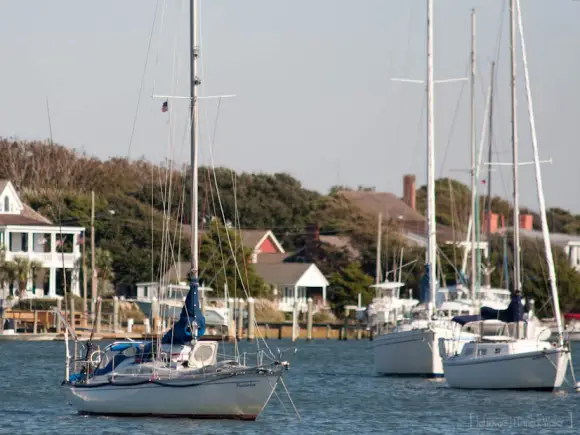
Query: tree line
151, 214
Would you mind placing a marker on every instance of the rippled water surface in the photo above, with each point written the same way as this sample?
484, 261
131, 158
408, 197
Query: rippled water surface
330, 382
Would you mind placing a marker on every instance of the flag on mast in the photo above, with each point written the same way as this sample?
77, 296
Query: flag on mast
165, 107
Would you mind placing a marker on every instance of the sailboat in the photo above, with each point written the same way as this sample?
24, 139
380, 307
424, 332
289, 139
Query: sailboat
514, 356
178, 375
411, 349
387, 306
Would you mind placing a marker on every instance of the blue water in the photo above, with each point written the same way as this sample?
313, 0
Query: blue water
330, 382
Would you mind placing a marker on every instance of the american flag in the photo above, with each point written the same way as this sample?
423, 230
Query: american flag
165, 107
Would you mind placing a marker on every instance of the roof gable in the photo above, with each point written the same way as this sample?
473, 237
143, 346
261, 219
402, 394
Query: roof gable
18, 213
253, 239
312, 277
10, 202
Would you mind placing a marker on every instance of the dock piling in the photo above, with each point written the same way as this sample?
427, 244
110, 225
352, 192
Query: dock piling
240, 318
72, 313
115, 314
231, 325
251, 319
56, 321
98, 321
309, 321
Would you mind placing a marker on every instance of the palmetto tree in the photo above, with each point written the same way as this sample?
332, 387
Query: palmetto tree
104, 263
3, 269
22, 271
35, 266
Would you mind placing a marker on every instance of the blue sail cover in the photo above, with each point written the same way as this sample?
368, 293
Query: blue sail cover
181, 332
513, 313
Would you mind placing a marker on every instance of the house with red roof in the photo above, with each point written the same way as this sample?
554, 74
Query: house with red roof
290, 282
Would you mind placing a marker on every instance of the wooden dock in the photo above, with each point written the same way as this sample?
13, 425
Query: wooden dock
43, 325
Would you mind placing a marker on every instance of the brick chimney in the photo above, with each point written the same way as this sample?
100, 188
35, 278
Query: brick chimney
526, 222
409, 191
313, 230
490, 218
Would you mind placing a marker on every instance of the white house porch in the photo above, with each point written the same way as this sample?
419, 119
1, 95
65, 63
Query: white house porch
26, 233
295, 282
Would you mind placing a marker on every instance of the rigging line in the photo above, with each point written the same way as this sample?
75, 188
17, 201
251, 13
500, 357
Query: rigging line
399, 92
169, 170
157, 53
497, 107
454, 119
420, 132
220, 244
237, 271
290, 398
143, 79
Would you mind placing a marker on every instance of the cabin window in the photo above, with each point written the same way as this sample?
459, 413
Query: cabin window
482, 352
497, 350
468, 351
6, 203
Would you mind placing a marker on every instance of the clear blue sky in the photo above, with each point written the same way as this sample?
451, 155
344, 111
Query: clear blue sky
312, 79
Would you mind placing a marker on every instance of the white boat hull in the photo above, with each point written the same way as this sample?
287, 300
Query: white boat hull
237, 397
537, 370
411, 353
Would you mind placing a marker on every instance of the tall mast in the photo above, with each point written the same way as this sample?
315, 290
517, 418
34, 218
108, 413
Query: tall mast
474, 208
431, 229
489, 158
540, 190
516, 224
194, 54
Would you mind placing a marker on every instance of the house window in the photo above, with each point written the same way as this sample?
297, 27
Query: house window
6, 203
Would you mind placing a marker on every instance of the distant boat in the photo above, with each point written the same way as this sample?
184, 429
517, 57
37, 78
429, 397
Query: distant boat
411, 348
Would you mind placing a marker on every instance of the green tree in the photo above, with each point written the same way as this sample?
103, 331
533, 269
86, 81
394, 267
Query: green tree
105, 273
217, 264
22, 269
35, 266
346, 284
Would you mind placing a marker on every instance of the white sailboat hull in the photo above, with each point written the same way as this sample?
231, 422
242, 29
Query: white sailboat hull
410, 353
237, 397
536, 370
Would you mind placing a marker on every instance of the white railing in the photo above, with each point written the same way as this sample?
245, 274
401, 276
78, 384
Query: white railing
48, 259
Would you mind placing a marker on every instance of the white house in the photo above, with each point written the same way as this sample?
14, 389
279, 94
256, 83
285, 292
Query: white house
295, 282
26, 233
568, 242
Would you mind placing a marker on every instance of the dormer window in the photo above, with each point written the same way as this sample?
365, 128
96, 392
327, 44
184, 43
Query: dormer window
6, 204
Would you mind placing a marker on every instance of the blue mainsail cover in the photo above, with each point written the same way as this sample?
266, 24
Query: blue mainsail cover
513, 313
181, 332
